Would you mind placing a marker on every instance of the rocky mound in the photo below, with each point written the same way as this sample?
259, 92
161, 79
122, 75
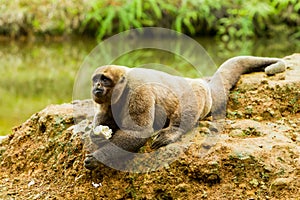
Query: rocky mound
257, 156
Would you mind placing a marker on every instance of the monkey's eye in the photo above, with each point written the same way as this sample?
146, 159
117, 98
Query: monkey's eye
105, 81
96, 78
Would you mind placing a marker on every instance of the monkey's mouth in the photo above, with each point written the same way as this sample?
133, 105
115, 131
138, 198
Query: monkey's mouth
98, 92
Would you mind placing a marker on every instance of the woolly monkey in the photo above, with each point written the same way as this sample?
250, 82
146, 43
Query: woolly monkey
137, 102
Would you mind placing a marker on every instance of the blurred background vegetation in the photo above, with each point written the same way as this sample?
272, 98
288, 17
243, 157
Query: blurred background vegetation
225, 19
44, 42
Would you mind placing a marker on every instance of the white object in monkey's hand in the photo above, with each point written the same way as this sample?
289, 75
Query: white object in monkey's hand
103, 130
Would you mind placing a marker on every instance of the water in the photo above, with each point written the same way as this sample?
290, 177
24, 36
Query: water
36, 74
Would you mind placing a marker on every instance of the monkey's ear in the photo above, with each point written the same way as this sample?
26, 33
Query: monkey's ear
118, 90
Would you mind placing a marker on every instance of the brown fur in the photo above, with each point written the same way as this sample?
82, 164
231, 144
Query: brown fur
137, 102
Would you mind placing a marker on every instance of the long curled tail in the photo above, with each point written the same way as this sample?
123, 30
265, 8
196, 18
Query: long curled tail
229, 73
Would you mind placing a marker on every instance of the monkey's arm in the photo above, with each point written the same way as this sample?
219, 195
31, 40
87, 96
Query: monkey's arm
135, 129
105, 118
229, 73
102, 117
116, 151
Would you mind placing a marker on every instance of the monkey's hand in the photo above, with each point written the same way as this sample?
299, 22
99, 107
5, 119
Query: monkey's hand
166, 136
91, 162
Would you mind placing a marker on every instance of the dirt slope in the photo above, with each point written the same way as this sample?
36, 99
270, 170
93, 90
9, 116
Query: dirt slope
255, 157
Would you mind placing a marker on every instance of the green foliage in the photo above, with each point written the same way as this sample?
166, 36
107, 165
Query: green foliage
247, 19
227, 19
117, 16
125, 15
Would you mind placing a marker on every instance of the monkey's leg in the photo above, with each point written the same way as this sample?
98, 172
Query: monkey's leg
176, 129
167, 136
179, 124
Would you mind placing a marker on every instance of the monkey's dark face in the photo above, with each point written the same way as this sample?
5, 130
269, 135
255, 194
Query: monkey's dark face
107, 79
102, 87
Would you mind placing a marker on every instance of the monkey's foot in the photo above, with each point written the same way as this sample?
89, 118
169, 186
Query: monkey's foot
165, 137
91, 162
212, 126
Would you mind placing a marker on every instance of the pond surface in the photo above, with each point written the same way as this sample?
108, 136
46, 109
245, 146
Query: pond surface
36, 74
